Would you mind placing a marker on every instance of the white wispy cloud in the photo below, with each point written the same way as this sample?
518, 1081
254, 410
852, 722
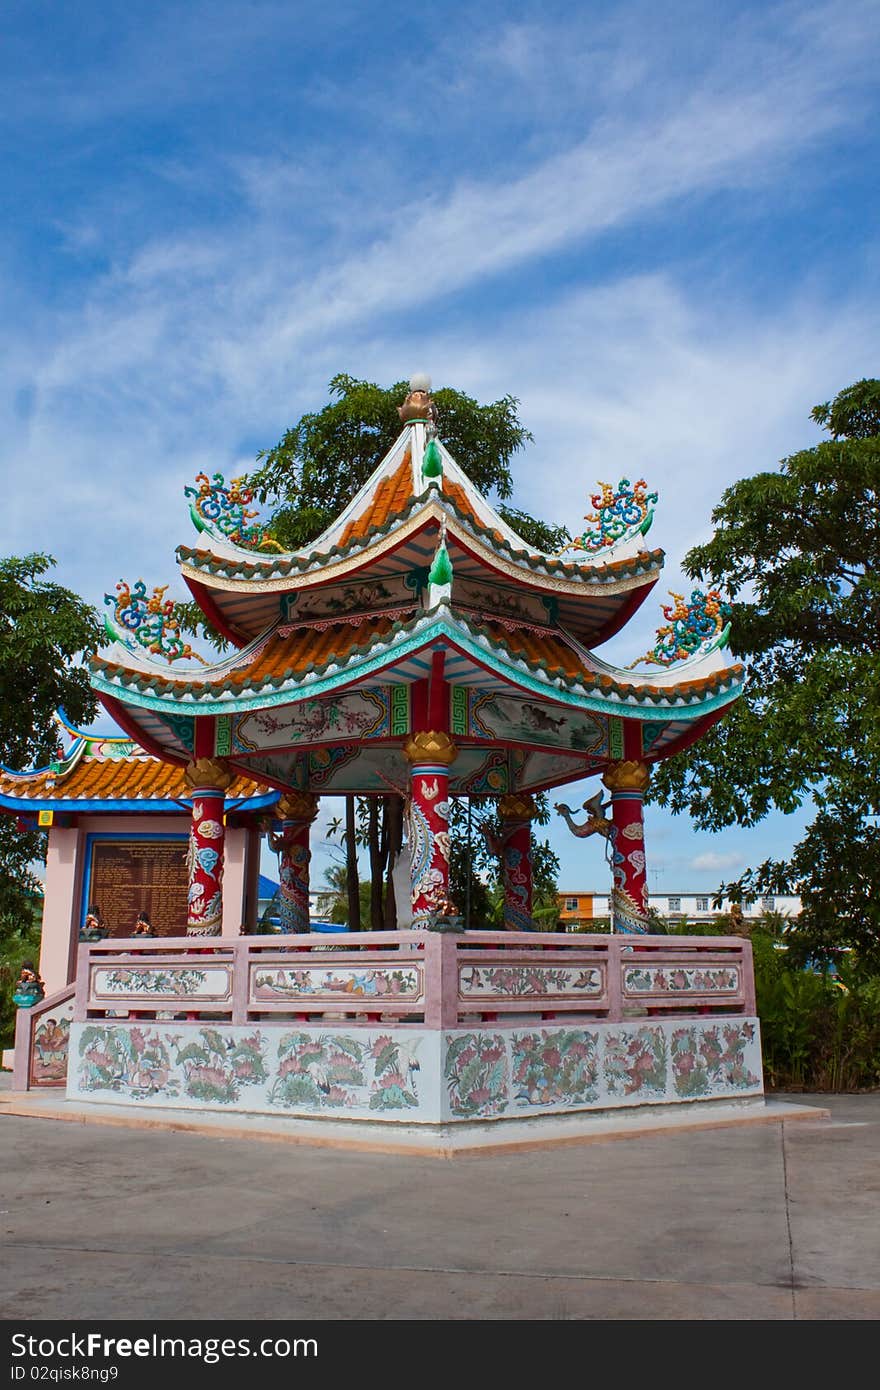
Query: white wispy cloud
714, 862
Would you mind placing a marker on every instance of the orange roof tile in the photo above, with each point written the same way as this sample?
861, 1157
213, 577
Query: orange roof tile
542, 648
390, 497
282, 656
459, 498
312, 647
139, 778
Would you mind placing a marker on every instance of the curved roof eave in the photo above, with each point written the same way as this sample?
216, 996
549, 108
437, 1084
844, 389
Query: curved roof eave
529, 566
426, 631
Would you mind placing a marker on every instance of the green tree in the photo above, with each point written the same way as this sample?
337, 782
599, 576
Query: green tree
798, 550
44, 629
44, 632
475, 878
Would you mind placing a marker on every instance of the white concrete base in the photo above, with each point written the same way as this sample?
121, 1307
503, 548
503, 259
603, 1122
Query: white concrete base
435, 1141
402, 1076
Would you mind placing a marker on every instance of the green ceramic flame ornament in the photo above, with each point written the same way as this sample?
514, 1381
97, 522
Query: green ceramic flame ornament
432, 463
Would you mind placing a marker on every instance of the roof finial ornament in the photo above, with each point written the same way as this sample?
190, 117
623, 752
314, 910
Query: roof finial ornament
440, 574
418, 404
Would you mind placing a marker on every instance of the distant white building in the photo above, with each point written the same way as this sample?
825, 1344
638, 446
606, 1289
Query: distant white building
584, 905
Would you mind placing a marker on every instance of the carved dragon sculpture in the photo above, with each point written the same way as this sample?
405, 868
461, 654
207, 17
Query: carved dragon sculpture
597, 823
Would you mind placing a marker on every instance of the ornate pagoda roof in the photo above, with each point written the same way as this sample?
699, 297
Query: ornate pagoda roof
293, 662
100, 773
387, 535
417, 585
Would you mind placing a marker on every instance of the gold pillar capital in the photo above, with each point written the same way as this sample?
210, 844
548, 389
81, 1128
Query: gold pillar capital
429, 747
209, 772
517, 806
297, 805
627, 777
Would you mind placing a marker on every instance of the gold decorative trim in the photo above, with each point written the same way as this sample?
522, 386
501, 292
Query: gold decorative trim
429, 747
209, 772
627, 777
516, 806
326, 571
298, 806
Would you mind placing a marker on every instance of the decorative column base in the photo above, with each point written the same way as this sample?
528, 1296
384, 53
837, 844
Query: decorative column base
208, 779
297, 811
430, 756
627, 782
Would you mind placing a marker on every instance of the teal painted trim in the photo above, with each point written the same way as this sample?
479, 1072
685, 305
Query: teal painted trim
397, 649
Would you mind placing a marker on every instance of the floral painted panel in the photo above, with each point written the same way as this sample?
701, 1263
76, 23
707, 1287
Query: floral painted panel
477, 1075
635, 1062
406, 1074
49, 1052
712, 1059
528, 981
336, 1071
205, 1064
556, 1068
255, 1069
654, 979
216, 1066
212, 982
363, 714
343, 982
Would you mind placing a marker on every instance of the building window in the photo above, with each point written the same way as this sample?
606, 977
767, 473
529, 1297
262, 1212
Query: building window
673, 904
768, 904
702, 904
610, 904
572, 904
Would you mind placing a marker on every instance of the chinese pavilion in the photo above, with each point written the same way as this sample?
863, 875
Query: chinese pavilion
417, 646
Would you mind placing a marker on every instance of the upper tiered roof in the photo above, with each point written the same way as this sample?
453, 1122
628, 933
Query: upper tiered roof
387, 535
417, 580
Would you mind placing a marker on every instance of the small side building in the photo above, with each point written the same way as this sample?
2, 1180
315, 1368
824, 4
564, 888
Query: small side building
118, 822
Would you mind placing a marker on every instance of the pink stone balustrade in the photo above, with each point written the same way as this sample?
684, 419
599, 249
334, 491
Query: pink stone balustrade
433, 980
438, 980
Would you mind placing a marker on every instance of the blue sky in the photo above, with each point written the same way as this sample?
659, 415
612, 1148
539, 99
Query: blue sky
656, 226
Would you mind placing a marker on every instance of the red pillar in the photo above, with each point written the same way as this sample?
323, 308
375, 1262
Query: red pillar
627, 783
297, 810
208, 779
430, 756
517, 813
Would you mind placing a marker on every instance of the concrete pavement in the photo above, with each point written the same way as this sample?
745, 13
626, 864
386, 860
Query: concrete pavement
772, 1222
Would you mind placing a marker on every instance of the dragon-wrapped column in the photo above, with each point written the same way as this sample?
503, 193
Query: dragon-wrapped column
627, 783
208, 779
430, 756
517, 813
296, 812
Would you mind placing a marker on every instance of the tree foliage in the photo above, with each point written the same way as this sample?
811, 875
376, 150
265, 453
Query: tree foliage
798, 550
44, 629
475, 877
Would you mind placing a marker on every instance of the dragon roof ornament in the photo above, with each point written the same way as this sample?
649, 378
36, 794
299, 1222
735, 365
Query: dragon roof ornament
147, 626
691, 629
223, 511
619, 515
